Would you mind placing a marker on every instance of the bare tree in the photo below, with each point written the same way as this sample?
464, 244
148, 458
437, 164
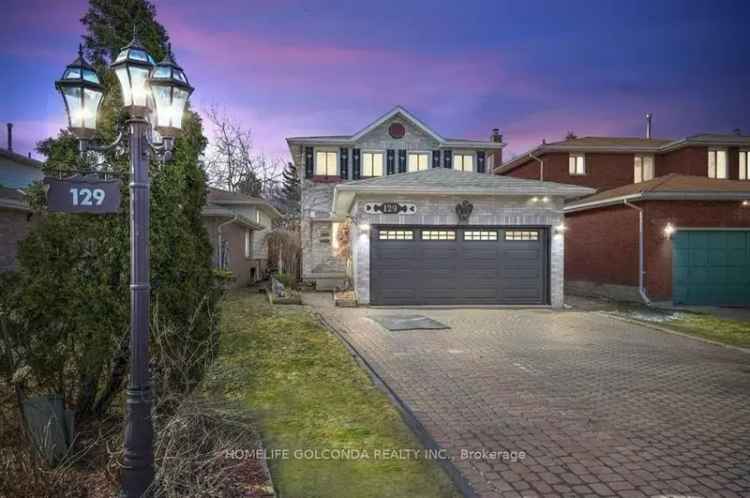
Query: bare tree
231, 162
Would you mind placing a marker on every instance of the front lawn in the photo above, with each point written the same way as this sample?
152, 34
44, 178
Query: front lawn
307, 393
732, 332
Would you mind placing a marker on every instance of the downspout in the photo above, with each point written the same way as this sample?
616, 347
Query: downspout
219, 246
541, 166
641, 270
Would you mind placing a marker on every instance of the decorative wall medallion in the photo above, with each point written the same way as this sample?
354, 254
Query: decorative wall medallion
463, 210
390, 208
396, 130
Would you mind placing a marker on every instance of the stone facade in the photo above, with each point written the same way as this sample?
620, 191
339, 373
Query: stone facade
440, 210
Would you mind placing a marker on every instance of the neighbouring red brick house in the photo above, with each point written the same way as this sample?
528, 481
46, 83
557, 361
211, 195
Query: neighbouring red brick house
670, 220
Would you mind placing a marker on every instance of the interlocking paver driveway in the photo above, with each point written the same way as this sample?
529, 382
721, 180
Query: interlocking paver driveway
600, 407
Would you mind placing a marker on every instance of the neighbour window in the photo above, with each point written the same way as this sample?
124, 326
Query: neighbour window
521, 235
480, 235
418, 161
372, 164
438, 235
744, 165
643, 169
577, 164
396, 235
463, 162
326, 163
717, 163
248, 243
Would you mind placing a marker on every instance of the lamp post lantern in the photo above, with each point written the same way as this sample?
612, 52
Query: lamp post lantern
162, 88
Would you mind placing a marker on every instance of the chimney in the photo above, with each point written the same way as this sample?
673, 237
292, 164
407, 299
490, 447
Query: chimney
497, 160
738, 132
10, 137
496, 136
648, 125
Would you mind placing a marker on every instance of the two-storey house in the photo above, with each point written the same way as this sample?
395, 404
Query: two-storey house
428, 223
670, 220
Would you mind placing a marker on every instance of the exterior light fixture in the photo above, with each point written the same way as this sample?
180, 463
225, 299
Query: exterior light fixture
669, 230
365, 227
132, 67
170, 91
561, 229
545, 199
535, 199
745, 203
82, 93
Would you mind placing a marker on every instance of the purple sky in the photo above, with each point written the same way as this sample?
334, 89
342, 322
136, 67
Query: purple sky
533, 69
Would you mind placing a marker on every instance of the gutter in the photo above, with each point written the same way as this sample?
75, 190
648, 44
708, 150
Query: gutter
641, 269
660, 196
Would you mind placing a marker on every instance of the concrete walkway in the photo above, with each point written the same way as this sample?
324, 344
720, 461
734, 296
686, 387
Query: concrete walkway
566, 403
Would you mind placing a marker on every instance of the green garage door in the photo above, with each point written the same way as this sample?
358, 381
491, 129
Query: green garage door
711, 267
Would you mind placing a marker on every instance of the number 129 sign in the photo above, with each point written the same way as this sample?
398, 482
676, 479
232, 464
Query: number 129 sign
79, 194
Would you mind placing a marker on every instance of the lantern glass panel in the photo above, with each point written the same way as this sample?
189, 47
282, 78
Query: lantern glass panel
140, 55
139, 89
91, 99
161, 72
179, 100
72, 97
180, 76
72, 73
122, 76
90, 75
163, 101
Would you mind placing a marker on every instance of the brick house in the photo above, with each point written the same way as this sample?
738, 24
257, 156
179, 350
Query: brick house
429, 222
237, 225
670, 220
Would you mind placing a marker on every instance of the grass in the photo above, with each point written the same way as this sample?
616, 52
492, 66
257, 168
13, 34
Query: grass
307, 393
732, 332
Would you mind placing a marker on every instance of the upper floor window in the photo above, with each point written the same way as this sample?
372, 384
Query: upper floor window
643, 169
372, 164
326, 163
717, 163
463, 162
745, 165
418, 161
577, 164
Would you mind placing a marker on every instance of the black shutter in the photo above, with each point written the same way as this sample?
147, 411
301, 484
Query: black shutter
480, 162
390, 161
356, 171
402, 161
435, 158
447, 159
308, 162
344, 167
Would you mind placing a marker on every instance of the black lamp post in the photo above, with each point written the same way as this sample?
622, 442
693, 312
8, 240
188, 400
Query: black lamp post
146, 87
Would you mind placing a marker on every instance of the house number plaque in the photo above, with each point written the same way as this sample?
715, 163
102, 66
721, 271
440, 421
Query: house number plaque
390, 208
83, 194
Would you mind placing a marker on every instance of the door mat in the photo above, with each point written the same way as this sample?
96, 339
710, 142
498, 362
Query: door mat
408, 322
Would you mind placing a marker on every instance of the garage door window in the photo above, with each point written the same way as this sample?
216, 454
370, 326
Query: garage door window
480, 235
438, 235
396, 235
521, 235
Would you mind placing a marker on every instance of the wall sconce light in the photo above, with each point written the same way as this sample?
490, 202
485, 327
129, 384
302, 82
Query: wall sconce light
535, 199
365, 227
669, 230
545, 199
745, 204
561, 229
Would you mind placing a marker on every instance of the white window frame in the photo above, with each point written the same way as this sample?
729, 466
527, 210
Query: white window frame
439, 235
521, 235
463, 155
327, 169
744, 161
391, 234
480, 235
577, 164
372, 153
713, 163
248, 245
418, 154
642, 173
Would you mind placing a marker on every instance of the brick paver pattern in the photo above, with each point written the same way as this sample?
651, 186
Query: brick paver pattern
600, 407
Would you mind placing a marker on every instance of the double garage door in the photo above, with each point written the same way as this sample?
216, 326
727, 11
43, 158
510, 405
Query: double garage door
459, 265
711, 267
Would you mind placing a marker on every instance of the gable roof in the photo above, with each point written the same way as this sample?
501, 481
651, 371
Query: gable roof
668, 187
224, 197
444, 181
396, 111
624, 144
